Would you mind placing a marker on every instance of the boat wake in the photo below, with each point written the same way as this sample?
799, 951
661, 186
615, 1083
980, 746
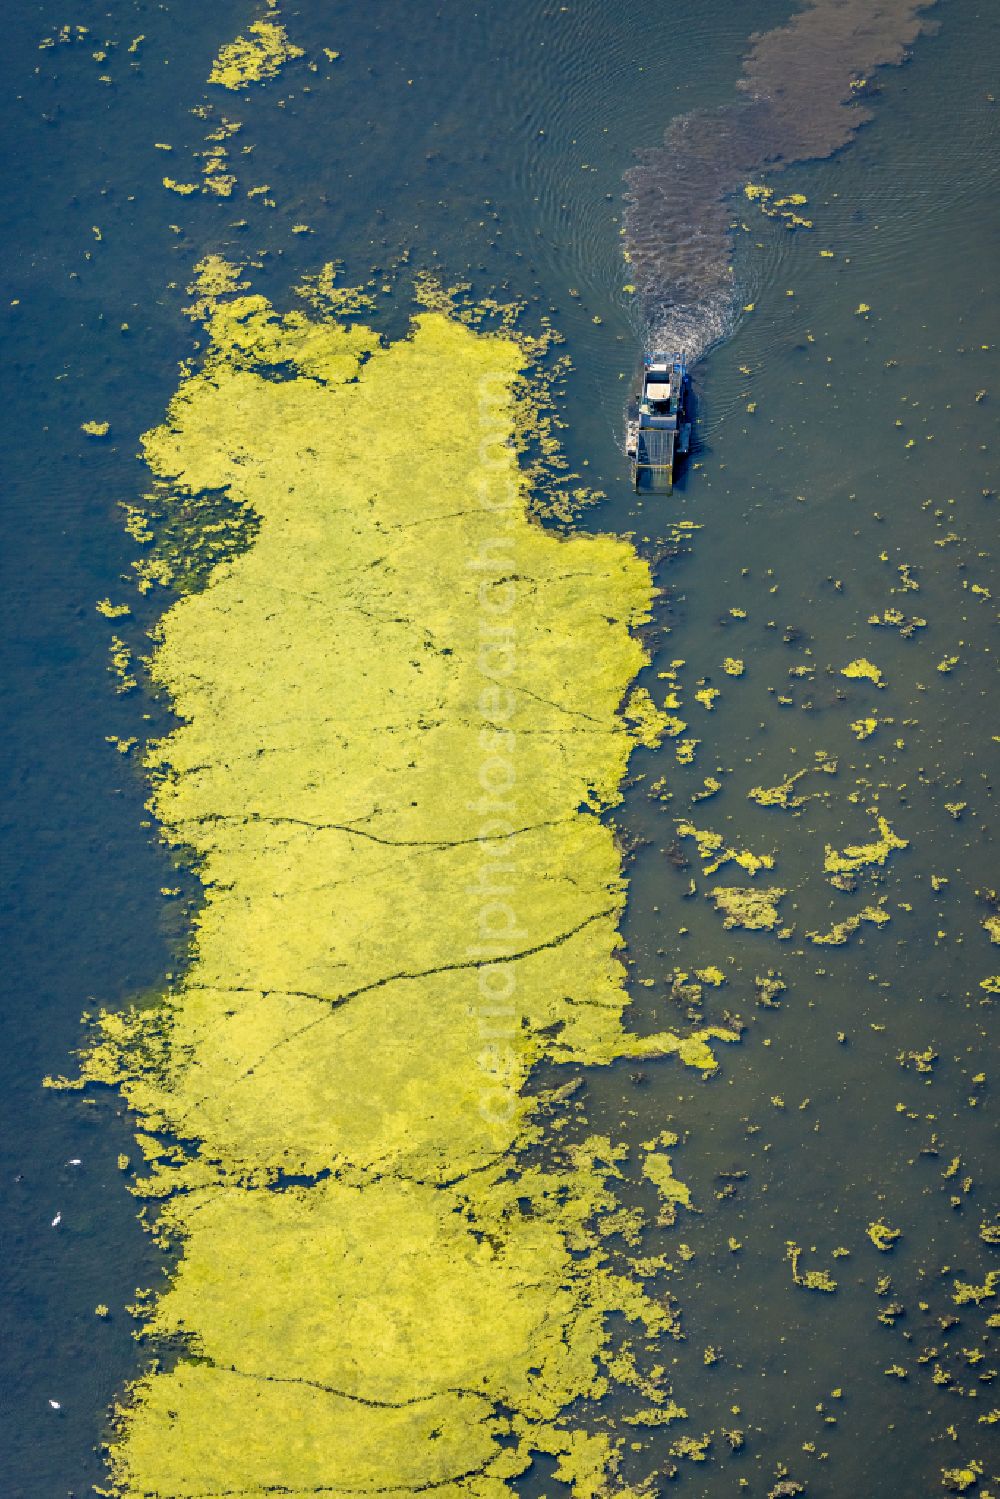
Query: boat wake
801, 97
691, 328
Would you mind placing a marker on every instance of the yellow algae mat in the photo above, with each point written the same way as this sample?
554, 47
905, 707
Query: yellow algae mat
403, 707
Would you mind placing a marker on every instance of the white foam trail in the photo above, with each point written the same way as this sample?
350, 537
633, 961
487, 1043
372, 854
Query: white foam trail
691, 328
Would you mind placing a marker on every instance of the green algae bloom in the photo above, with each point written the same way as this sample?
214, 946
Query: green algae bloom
389, 770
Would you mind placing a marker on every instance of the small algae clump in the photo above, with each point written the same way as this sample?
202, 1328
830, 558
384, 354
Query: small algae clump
695, 1449
784, 794
857, 855
255, 57
95, 429
965, 1292
842, 930
733, 666
711, 975
120, 664
882, 1236
810, 1280
961, 1480
389, 769
658, 1167
757, 910
713, 852
320, 291
864, 670
646, 721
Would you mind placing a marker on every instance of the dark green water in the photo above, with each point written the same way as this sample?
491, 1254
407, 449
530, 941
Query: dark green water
501, 163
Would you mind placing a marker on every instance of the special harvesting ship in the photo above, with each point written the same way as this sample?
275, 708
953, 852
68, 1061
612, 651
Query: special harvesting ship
657, 428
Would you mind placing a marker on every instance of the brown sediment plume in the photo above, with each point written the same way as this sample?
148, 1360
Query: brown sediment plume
809, 71
801, 99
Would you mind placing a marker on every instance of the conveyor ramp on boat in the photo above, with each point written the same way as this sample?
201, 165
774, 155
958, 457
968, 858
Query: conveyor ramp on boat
655, 455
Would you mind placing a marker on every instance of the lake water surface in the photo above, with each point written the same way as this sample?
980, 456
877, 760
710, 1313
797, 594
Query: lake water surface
843, 457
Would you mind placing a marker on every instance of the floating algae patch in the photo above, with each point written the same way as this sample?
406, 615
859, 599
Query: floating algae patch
810, 1280
256, 57
858, 856
863, 670
714, 851
784, 795
389, 770
882, 1236
841, 931
757, 910
658, 1166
